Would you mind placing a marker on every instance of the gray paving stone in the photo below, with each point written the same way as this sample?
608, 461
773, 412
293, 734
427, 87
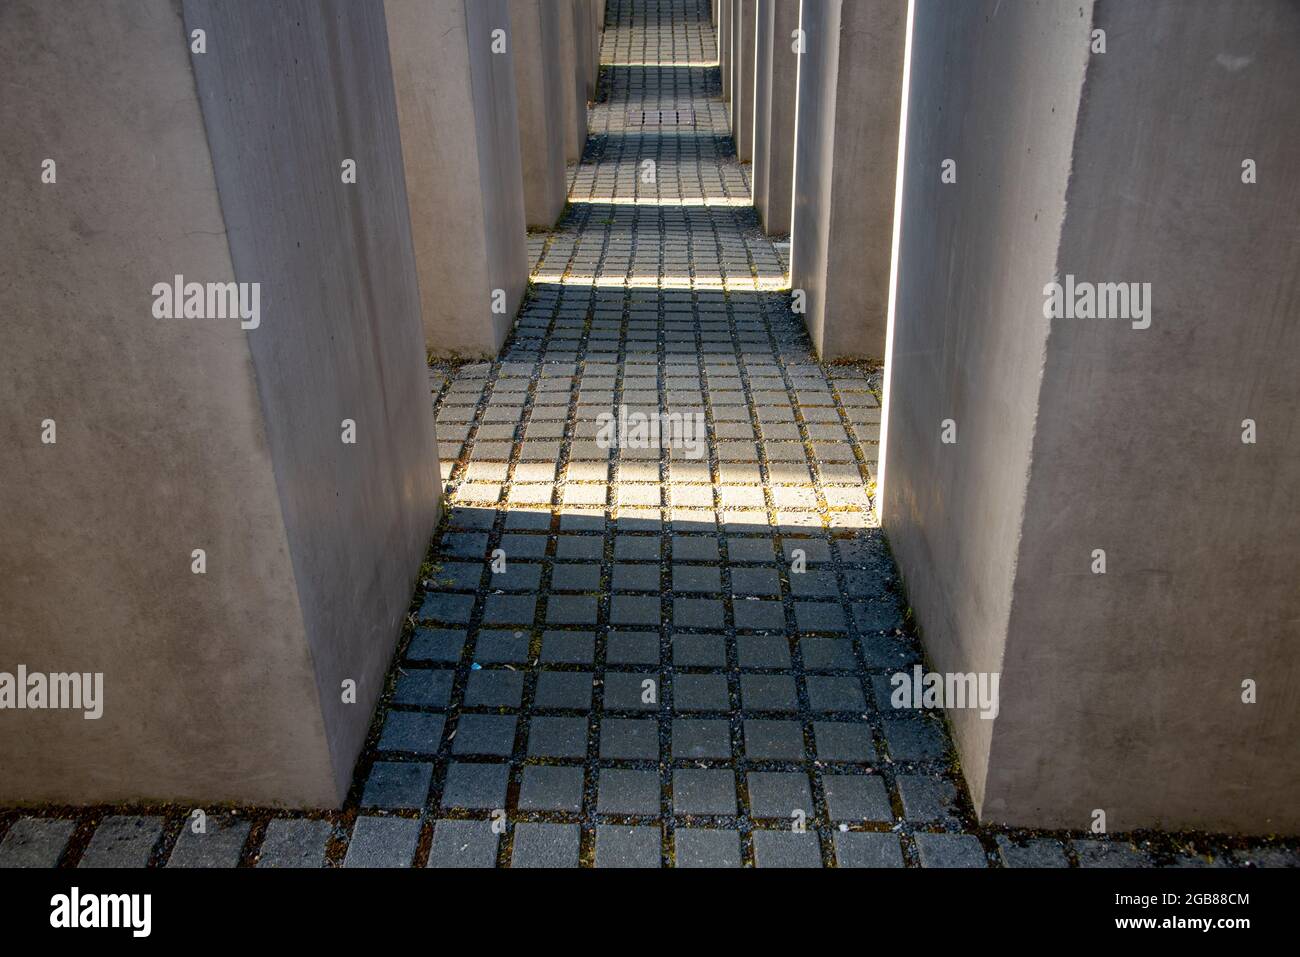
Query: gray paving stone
382, 842
393, 784
786, 849
462, 844
774, 740
557, 737
1110, 854
545, 845
867, 849
856, 797
551, 789
486, 734
1034, 852
122, 841
294, 842
928, 798
478, 786
218, 846
411, 731
627, 847
847, 741
698, 847
950, 850
779, 794
704, 791
35, 842
627, 791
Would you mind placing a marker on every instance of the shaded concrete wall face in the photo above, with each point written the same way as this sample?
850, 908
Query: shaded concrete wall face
846, 145
575, 84
724, 46
775, 85
743, 33
183, 434
459, 131
540, 90
1080, 434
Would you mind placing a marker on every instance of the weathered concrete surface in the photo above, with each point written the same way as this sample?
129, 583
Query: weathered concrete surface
724, 46
1121, 691
776, 72
464, 181
575, 90
586, 48
180, 434
743, 33
540, 89
846, 152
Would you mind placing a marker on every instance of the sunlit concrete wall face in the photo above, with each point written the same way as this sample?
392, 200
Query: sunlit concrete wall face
453, 70
194, 525
846, 153
540, 90
743, 32
1104, 510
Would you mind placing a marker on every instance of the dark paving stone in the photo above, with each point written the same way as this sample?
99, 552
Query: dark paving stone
763, 651
510, 609
700, 693
383, 842
828, 654
704, 791
394, 784
545, 845
501, 648
487, 734
915, 739
436, 644
624, 791
1110, 854
424, 687
928, 799
623, 846
814, 584
476, 786
638, 548
818, 616
697, 613
768, 693
629, 739
755, 582
568, 648
518, 576
446, 607
551, 789
294, 842
624, 691
750, 550
494, 688
122, 841
701, 738
950, 850
463, 844
887, 651
568, 690
411, 731
634, 610
786, 849
867, 849
768, 740
779, 794
698, 847
589, 547
856, 797
695, 548
699, 651
567, 576
632, 648
219, 845
636, 578
827, 693
844, 741
571, 610
1034, 852
757, 615
35, 842
551, 737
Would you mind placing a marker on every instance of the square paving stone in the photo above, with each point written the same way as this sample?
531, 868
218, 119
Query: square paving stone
522, 546
589, 547
411, 731
768, 693
818, 616
626, 691
622, 846
814, 584
501, 647
704, 791
568, 647
826, 693
700, 693
755, 582
545, 845
494, 688
828, 654
551, 789
475, 786
844, 741
629, 739
625, 791
699, 651
632, 648
35, 842
423, 687
857, 797
638, 548
787, 849
750, 550
571, 610
927, 798
767, 740
867, 849
698, 847
779, 794
518, 576
550, 737
397, 784
763, 651
1110, 854
1033, 852
950, 850
446, 607
757, 615
220, 845
634, 610
383, 842
491, 734
569, 690
915, 739
636, 578
294, 842
887, 651
695, 548
697, 613
701, 738
122, 841
436, 644
566, 576
463, 844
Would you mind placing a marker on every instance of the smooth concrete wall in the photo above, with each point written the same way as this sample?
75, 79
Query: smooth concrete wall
575, 83
724, 46
846, 153
1122, 691
586, 47
193, 433
540, 89
776, 71
460, 139
744, 31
